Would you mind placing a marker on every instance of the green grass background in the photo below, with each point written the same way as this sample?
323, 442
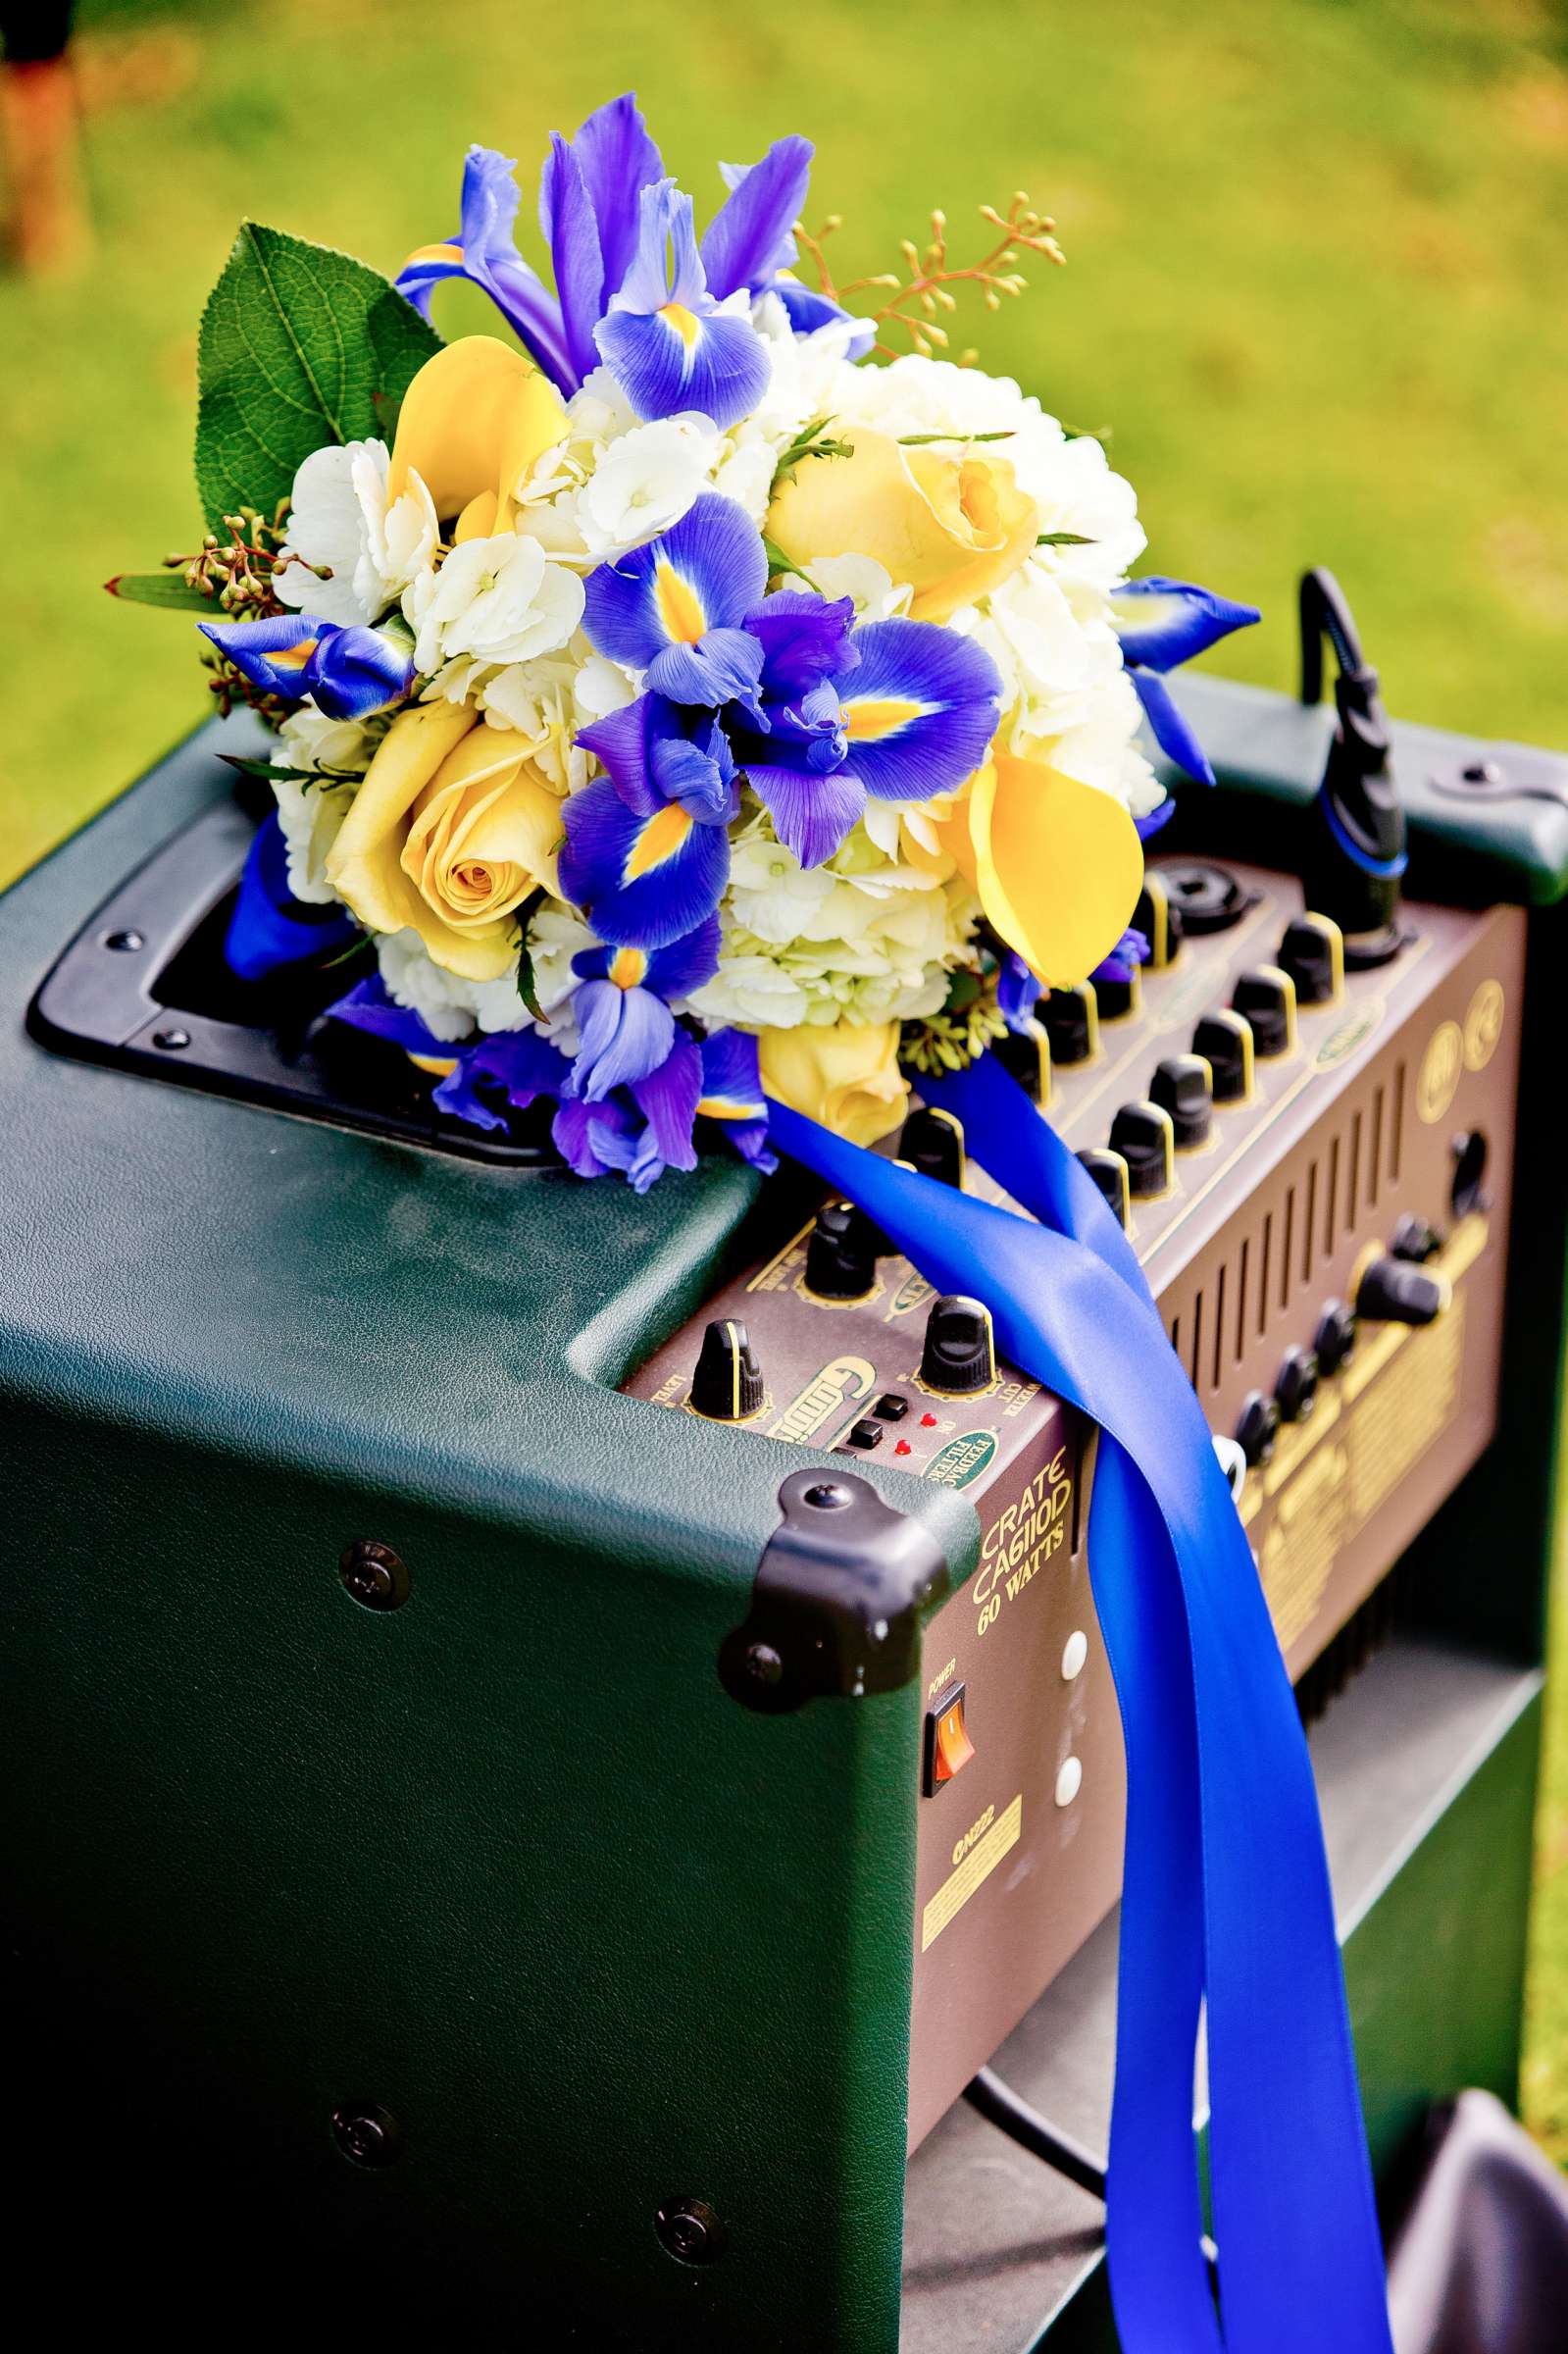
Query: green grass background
1316, 283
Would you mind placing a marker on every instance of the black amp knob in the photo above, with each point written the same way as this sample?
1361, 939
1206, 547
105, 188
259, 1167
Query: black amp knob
1071, 1019
841, 1254
1159, 919
1025, 1055
1116, 1000
1295, 1389
1209, 896
1393, 1291
1267, 997
727, 1383
1312, 952
1224, 1039
959, 1358
1334, 1342
1109, 1172
1143, 1136
1413, 1239
1258, 1427
932, 1141
1183, 1086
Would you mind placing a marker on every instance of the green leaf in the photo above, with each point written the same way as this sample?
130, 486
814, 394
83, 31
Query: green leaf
300, 346
1063, 539
525, 963
778, 562
171, 588
919, 441
812, 442
269, 770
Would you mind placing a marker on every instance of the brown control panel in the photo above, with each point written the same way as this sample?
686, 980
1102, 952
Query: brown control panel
1314, 1166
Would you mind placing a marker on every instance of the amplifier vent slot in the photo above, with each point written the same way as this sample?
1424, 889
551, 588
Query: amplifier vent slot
1263, 1274
1245, 1265
1397, 1138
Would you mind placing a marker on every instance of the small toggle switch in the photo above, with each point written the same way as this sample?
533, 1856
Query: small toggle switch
1413, 1239
1224, 1039
727, 1383
1071, 1021
1116, 1000
1109, 1172
959, 1358
1144, 1135
1312, 952
1393, 1291
1334, 1342
932, 1141
1025, 1055
1258, 1427
1267, 997
865, 1434
1297, 1389
1183, 1086
948, 1747
890, 1408
841, 1254
1159, 919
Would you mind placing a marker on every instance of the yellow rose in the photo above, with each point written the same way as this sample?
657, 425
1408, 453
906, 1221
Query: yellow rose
1057, 863
952, 528
451, 831
846, 1075
474, 421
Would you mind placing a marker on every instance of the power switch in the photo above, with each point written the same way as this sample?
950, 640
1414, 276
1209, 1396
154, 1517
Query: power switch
948, 1747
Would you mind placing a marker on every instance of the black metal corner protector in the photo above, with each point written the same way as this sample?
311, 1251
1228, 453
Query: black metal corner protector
840, 1590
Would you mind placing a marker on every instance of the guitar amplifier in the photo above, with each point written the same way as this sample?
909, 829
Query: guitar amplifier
551, 1734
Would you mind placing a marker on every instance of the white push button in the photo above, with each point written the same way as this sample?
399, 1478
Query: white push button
1069, 1783
1075, 1650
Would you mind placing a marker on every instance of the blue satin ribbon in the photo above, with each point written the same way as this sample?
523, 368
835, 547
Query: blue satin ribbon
270, 928
1226, 1899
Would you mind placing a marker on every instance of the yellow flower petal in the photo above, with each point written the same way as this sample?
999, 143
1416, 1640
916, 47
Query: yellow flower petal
951, 528
1058, 865
844, 1074
474, 421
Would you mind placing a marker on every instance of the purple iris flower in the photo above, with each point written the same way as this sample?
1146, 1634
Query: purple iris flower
516, 1066
640, 1129
608, 212
731, 1091
816, 712
1163, 623
484, 253
665, 339
1018, 991
347, 672
625, 1026
1130, 952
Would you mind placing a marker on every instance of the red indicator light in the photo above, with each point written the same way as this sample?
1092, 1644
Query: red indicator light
928, 1421
903, 1448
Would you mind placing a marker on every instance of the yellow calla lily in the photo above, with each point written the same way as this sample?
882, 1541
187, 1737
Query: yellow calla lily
952, 527
474, 421
1058, 864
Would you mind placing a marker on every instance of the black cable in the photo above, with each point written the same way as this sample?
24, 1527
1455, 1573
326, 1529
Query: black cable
1000, 2106
1325, 613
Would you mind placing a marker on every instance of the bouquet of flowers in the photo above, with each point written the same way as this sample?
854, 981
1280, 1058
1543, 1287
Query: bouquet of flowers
709, 692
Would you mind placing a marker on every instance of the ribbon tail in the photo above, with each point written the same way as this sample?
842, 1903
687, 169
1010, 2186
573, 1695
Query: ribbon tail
1301, 2264
270, 928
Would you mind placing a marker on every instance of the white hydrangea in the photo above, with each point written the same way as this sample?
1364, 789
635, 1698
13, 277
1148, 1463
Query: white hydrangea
310, 815
452, 1009
498, 600
339, 525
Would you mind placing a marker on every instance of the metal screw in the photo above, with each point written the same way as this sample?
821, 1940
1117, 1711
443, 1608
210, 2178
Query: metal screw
764, 1664
124, 944
373, 1574
829, 1499
171, 1040
690, 2231
367, 2133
